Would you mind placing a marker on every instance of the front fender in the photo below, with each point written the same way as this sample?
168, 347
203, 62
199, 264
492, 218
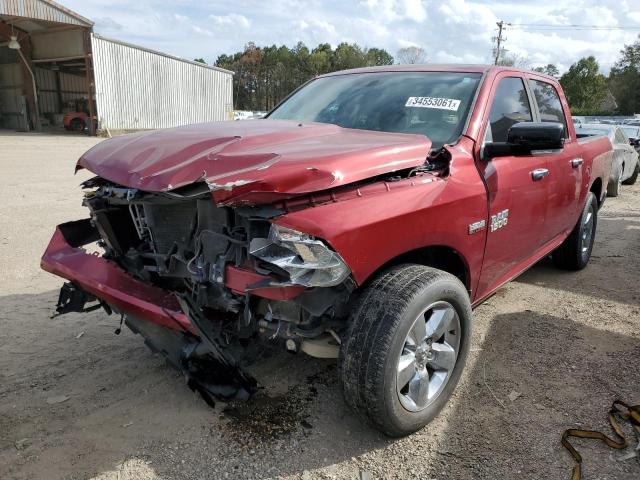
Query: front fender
376, 223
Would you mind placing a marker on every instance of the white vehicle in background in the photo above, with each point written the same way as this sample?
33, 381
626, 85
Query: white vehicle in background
248, 114
626, 167
242, 114
633, 132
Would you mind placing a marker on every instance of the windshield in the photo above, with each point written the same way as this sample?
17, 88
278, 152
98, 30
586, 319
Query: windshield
435, 104
632, 132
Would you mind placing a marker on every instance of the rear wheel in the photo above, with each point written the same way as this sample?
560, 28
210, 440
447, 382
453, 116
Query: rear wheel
408, 342
634, 176
613, 189
575, 251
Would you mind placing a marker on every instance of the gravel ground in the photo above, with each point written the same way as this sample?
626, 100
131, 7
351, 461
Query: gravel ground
78, 402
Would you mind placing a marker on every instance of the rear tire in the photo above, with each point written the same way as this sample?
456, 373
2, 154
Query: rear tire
391, 379
632, 179
575, 251
613, 189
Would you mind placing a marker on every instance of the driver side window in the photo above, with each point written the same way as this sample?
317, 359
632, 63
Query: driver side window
510, 106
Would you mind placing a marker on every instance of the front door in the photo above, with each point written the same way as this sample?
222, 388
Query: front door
518, 187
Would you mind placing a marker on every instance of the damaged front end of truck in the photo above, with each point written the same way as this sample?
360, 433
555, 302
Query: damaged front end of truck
189, 250
233, 273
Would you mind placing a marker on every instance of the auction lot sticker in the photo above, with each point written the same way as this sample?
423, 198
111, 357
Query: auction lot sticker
433, 102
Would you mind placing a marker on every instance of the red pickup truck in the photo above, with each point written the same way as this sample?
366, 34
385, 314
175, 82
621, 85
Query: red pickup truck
362, 220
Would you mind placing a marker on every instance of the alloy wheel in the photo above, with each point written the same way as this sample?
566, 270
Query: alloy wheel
428, 356
587, 232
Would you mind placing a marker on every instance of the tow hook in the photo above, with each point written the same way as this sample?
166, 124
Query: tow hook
74, 299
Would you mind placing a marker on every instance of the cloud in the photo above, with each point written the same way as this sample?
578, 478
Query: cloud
107, 24
397, 10
201, 31
233, 20
180, 18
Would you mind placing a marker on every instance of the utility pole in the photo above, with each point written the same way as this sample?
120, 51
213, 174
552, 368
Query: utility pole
499, 39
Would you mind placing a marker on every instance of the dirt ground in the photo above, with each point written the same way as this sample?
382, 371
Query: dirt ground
78, 402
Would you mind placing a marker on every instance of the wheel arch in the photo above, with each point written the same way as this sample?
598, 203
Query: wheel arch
442, 257
596, 189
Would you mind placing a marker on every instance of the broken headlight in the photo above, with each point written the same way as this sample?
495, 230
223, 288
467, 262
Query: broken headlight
307, 261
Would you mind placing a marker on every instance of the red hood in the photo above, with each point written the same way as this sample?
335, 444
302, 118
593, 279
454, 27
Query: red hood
253, 161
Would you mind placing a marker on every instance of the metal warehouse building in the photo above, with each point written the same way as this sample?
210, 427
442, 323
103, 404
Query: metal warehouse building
52, 64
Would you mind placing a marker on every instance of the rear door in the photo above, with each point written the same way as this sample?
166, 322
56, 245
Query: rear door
517, 188
566, 167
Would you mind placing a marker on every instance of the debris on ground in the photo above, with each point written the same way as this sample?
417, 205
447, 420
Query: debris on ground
57, 399
22, 443
514, 395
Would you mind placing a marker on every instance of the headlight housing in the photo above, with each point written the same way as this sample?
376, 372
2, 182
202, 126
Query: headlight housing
308, 261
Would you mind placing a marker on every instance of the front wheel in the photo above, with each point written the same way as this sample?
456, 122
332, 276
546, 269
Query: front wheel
406, 349
575, 251
634, 176
613, 188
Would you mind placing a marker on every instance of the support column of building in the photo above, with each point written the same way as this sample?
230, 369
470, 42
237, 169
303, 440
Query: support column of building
90, 81
28, 84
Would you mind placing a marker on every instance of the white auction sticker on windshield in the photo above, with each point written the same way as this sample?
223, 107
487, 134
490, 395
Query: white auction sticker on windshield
433, 102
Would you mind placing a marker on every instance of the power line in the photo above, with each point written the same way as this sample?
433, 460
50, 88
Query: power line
547, 26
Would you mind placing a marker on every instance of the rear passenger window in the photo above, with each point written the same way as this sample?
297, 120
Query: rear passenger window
510, 106
548, 102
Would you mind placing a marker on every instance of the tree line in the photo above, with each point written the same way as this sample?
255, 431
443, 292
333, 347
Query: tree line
265, 75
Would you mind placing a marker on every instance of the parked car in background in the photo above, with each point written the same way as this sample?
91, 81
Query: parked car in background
75, 121
361, 221
633, 132
625, 166
248, 114
579, 120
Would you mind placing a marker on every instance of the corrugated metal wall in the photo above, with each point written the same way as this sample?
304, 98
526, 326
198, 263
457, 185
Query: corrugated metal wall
72, 87
42, 10
12, 103
138, 88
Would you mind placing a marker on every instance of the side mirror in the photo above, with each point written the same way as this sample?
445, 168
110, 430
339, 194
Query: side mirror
524, 138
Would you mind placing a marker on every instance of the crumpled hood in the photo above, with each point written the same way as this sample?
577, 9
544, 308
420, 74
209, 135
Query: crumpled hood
253, 161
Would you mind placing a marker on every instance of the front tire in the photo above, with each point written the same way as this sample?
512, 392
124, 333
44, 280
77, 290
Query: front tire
613, 188
575, 251
406, 349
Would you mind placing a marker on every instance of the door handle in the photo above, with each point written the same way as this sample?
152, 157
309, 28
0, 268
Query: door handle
576, 162
539, 173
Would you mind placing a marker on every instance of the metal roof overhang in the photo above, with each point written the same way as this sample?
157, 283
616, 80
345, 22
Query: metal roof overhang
27, 15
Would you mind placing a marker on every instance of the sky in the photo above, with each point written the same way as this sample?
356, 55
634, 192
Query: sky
450, 31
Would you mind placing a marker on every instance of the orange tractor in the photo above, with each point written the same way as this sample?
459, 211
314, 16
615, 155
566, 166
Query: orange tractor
77, 117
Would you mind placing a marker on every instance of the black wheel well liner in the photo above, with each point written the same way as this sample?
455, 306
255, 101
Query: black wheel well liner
596, 189
441, 257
